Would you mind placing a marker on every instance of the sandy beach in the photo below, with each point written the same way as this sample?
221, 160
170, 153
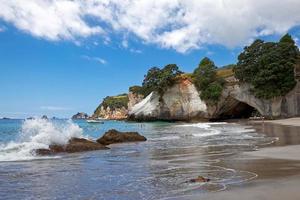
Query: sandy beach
287, 122
277, 165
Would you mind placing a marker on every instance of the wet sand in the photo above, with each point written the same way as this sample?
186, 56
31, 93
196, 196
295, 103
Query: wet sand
277, 165
276, 189
291, 152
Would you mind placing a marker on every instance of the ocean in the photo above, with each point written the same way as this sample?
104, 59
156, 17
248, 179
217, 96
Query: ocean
156, 169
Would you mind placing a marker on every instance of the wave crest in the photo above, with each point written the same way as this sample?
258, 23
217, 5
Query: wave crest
38, 133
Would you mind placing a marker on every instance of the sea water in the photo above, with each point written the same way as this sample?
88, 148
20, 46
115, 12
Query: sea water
156, 169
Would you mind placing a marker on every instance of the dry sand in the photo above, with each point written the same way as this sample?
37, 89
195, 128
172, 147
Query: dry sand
287, 122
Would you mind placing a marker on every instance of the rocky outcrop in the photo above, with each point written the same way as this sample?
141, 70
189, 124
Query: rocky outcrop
80, 115
133, 99
107, 111
80, 144
182, 102
113, 114
199, 179
74, 145
114, 136
238, 95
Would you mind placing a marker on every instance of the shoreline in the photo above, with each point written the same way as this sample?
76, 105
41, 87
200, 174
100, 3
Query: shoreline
277, 164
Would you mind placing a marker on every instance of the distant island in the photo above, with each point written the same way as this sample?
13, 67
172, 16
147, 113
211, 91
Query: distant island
263, 83
80, 115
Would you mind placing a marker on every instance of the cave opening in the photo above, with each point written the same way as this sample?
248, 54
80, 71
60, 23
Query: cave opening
239, 110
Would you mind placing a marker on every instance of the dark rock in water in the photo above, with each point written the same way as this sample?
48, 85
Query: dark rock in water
44, 117
74, 145
80, 115
199, 179
113, 136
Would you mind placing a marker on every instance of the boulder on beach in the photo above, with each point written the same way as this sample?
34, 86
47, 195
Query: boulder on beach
113, 136
74, 145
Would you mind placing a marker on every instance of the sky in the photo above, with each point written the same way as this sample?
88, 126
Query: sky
60, 57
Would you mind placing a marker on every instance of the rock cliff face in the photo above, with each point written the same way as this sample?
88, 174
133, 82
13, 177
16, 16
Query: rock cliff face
182, 102
108, 113
133, 99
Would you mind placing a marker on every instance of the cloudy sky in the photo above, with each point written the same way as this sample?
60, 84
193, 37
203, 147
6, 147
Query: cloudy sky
60, 56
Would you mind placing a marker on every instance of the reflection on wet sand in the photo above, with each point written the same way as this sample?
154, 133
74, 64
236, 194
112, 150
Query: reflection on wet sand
287, 135
265, 168
269, 168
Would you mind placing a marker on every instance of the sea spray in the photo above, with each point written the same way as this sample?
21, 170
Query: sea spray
38, 133
49, 132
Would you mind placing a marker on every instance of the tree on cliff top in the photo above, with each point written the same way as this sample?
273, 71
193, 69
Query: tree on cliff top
206, 81
205, 73
268, 67
160, 79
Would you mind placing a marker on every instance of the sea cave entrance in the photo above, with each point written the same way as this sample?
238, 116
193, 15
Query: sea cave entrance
237, 110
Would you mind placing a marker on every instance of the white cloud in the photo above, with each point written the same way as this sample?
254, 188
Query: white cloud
97, 59
54, 108
49, 19
180, 25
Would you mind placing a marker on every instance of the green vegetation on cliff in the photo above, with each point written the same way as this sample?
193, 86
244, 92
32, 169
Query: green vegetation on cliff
225, 71
113, 102
136, 89
207, 82
268, 67
160, 80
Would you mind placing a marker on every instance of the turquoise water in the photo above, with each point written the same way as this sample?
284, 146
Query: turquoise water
155, 169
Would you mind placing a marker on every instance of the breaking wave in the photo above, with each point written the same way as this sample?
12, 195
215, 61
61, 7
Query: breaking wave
38, 133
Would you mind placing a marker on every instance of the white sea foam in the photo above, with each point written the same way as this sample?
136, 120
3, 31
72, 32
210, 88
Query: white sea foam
202, 125
173, 137
197, 125
207, 133
35, 134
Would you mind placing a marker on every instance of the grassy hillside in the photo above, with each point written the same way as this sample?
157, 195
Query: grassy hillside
113, 102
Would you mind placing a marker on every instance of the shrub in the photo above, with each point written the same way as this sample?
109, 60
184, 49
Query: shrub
160, 79
268, 67
136, 89
206, 81
212, 92
114, 102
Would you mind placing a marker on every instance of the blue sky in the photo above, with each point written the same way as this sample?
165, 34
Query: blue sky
60, 70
